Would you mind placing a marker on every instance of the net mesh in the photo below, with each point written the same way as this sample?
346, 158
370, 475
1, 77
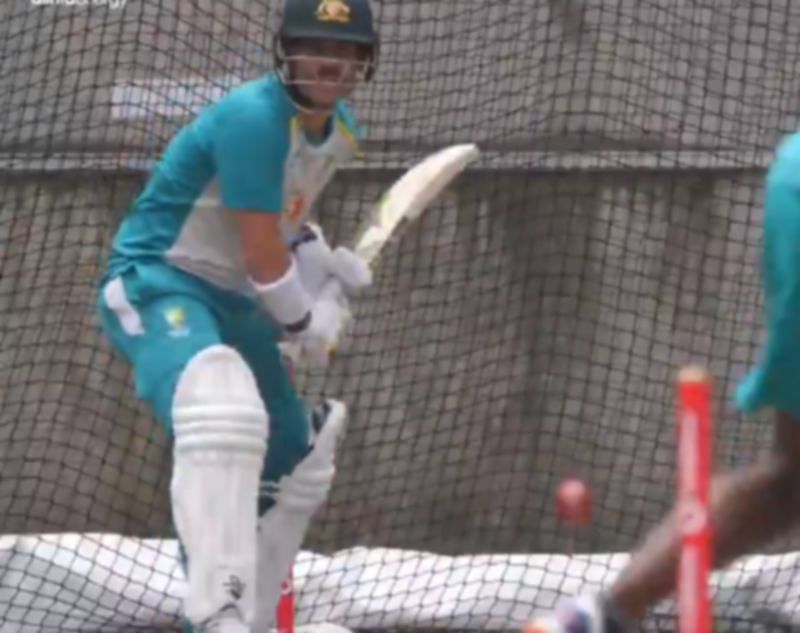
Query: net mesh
529, 328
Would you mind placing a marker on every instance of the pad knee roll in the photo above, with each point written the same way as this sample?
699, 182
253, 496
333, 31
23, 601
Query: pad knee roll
217, 404
220, 425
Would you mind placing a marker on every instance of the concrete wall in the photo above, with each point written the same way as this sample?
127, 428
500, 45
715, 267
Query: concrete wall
529, 329
76, 451
521, 72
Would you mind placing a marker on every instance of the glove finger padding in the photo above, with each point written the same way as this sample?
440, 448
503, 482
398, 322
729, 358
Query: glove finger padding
314, 258
353, 272
317, 263
330, 315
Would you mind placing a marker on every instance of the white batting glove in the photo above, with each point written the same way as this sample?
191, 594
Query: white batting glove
317, 263
351, 271
314, 344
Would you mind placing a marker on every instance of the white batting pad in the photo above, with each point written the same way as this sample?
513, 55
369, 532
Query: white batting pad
297, 496
220, 425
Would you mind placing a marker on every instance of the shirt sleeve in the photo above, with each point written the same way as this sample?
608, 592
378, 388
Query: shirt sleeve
250, 149
773, 382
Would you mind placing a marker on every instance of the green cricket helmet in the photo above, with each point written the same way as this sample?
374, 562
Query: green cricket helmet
341, 20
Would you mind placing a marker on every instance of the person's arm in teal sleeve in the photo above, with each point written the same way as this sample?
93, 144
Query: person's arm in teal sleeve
250, 149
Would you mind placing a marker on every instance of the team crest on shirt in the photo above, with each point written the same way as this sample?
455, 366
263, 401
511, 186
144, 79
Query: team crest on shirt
333, 11
176, 320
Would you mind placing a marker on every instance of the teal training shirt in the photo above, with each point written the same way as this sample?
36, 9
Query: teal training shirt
775, 381
245, 152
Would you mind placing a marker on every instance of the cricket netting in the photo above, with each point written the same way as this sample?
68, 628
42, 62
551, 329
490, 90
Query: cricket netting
528, 329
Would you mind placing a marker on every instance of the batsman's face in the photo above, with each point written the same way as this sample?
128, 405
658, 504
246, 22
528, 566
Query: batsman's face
326, 70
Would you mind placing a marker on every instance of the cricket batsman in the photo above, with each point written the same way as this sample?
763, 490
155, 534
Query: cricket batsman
754, 504
197, 296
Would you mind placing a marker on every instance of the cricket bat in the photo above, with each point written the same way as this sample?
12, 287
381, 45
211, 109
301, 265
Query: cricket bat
407, 198
404, 202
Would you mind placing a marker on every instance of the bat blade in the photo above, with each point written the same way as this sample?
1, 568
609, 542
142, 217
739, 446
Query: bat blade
405, 201
410, 195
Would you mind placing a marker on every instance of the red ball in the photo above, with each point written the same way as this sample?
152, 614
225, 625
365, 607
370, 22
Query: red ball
574, 502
